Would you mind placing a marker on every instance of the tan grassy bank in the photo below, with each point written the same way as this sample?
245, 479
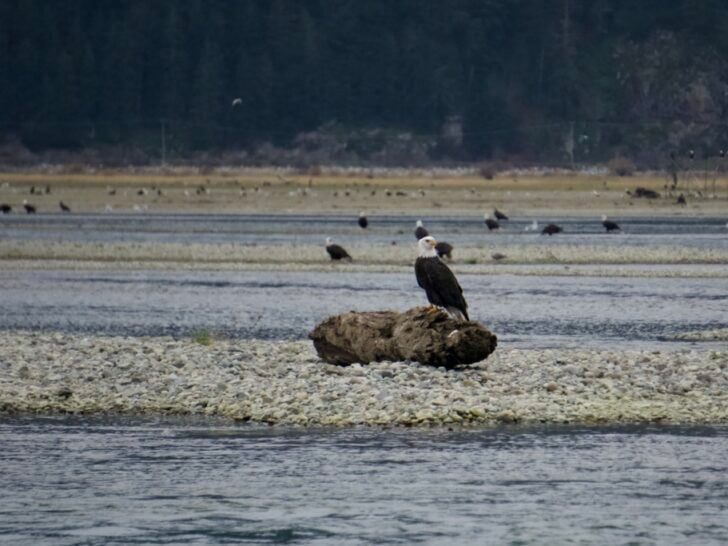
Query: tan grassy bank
376, 191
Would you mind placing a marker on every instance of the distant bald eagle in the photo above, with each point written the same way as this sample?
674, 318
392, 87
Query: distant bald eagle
237, 101
363, 221
420, 230
438, 282
490, 223
550, 229
444, 250
5, 208
335, 251
609, 225
30, 209
499, 215
64, 207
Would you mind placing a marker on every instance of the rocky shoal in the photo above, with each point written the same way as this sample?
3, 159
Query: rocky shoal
286, 383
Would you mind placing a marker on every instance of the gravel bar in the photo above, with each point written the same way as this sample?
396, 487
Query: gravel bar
286, 383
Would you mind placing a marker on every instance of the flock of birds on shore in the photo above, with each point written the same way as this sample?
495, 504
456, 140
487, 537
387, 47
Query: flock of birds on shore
5, 208
444, 250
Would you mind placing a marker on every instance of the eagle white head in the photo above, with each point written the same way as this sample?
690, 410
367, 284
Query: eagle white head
418, 223
361, 214
486, 216
328, 241
604, 217
426, 247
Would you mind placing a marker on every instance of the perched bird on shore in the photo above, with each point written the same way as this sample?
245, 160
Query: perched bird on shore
64, 207
30, 209
5, 208
499, 215
550, 229
609, 225
438, 281
532, 227
363, 221
444, 250
643, 192
681, 200
335, 251
490, 223
420, 230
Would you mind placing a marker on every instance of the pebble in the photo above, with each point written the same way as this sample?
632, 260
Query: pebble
284, 382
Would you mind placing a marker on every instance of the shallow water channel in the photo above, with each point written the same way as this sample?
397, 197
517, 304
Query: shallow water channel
312, 229
131, 481
524, 311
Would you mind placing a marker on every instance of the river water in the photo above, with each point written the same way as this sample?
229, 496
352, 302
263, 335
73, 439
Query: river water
121, 480
525, 311
312, 229
70, 481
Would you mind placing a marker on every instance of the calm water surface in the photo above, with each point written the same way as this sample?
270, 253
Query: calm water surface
125, 481
271, 229
524, 311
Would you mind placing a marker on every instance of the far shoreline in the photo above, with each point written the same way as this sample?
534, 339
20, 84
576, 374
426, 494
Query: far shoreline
340, 191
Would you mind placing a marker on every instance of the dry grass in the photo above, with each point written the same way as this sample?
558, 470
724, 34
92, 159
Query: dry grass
270, 190
256, 177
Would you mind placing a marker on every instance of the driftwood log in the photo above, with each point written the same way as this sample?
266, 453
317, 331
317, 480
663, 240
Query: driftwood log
421, 334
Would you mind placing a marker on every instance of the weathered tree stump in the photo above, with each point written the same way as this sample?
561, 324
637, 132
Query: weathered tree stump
419, 334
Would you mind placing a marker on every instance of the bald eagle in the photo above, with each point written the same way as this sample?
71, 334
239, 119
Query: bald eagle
609, 225
499, 215
444, 250
420, 230
363, 221
439, 283
490, 223
550, 229
335, 251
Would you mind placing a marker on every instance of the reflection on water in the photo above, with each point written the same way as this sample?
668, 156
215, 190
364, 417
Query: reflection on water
120, 481
524, 311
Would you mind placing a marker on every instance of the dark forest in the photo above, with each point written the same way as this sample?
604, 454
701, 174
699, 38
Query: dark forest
528, 80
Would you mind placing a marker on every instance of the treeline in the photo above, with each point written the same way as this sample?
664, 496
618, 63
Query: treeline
644, 76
